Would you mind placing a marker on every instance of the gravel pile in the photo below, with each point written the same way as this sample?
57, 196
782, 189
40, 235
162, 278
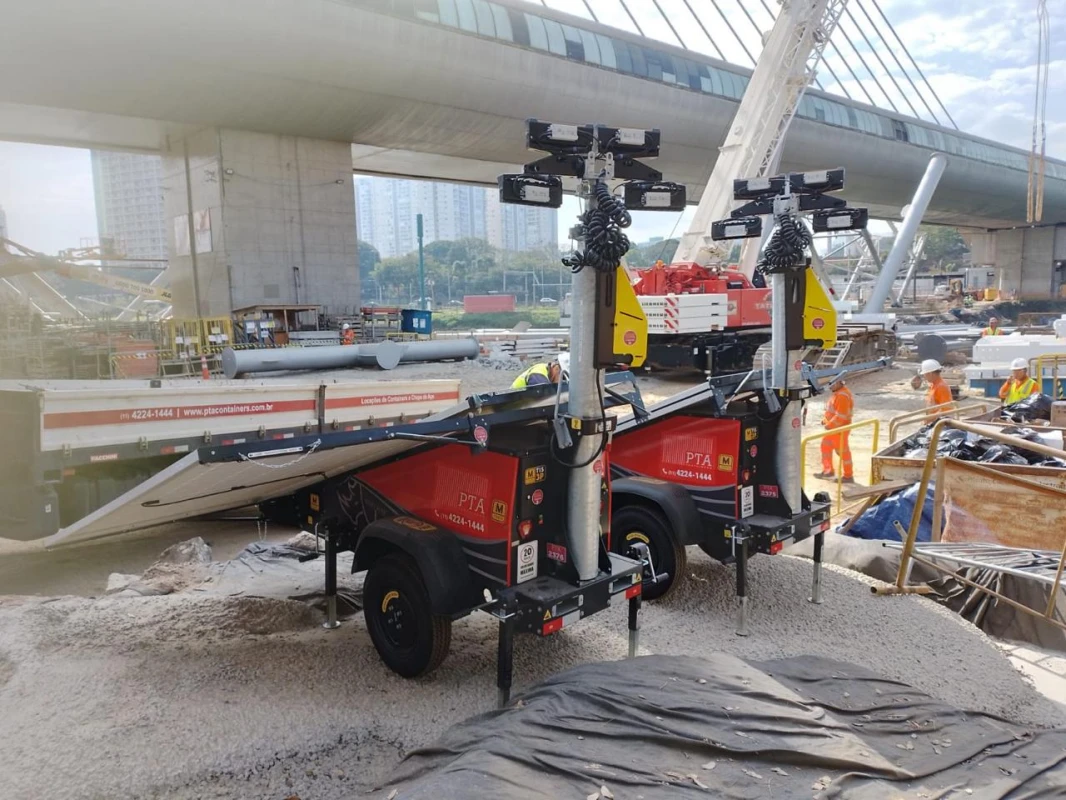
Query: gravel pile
192, 696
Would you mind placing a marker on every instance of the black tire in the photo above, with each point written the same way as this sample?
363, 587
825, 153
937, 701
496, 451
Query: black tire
637, 523
408, 636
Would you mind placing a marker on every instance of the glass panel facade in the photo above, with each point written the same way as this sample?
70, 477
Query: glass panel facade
485, 18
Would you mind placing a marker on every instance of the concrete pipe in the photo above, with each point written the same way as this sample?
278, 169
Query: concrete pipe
384, 355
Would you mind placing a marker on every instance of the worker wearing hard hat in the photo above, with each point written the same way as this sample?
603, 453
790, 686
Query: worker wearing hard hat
1019, 385
547, 372
993, 328
347, 334
838, 414
938, 396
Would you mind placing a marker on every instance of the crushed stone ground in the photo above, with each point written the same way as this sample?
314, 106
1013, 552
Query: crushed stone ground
189, 696
195, 696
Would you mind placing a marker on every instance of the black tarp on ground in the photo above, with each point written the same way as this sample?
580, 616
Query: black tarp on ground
685, 727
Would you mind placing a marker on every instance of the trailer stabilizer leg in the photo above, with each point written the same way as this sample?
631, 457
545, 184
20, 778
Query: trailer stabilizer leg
634, 625
742, 588
816, 585
331, 583
505, 658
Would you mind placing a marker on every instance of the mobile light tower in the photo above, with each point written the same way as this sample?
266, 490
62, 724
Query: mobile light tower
609, 328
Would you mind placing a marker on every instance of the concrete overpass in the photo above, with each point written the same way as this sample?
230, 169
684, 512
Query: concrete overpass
261, 108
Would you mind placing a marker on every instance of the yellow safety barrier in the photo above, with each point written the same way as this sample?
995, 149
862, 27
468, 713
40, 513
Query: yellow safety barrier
911, 534
1036, 370
921, 414
866, 423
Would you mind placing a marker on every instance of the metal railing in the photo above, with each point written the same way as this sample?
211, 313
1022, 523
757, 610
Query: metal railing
1055, 360
910, 536
951, 408
806, 440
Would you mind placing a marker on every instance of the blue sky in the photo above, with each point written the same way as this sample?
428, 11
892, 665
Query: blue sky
978, 56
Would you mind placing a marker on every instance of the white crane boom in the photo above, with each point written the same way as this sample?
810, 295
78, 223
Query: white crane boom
752, 146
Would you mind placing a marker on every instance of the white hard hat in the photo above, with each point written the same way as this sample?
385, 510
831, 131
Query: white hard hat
564, 363
1019, 363
345, 326
929, 365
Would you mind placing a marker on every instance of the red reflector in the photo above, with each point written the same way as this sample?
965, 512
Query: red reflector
633, 591
775, 548
525, 527
551, 627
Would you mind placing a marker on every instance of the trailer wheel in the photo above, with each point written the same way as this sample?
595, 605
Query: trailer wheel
408, 636
632, 524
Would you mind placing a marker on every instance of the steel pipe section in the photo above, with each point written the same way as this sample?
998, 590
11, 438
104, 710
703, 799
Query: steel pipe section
384, 355
907, 231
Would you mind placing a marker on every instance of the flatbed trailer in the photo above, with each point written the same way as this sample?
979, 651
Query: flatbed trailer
81, 444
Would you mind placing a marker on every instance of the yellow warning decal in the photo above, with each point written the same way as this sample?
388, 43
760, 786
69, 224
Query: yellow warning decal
388, 598
535, 475
499, 510
728, 533
637, 535
725, 462
751, 434
547, 615
316, 504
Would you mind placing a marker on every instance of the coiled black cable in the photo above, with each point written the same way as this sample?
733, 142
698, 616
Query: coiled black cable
786, 247
601, 230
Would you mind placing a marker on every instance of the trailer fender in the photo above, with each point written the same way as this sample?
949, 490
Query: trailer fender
437, 553
671, 500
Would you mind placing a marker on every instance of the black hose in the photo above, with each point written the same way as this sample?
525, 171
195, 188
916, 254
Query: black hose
787, 246
601, 229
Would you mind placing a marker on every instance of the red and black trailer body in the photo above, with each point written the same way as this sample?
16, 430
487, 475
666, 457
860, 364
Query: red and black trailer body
475, 521
701, 471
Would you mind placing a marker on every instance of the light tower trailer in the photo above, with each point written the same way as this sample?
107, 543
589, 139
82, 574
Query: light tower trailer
718, 466
513, 517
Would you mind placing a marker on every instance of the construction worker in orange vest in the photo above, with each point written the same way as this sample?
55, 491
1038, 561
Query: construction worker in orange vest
938, 398
347, 334
1019, 385
993, 328
838, 413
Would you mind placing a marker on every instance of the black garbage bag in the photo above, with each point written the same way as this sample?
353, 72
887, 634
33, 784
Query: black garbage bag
1035, 406
1003, 454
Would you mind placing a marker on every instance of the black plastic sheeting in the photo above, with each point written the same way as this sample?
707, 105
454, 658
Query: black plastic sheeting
685, 727
967, 447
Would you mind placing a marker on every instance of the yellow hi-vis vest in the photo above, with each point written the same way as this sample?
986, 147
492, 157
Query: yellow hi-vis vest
536, 369
1019, 391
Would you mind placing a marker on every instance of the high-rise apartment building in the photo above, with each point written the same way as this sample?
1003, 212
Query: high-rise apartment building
387, 207
520, 228
129, 203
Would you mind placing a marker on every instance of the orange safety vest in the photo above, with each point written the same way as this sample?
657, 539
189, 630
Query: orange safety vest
839, 409
939, 393
348, 336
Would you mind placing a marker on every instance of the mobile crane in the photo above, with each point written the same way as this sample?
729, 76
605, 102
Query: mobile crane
701, 314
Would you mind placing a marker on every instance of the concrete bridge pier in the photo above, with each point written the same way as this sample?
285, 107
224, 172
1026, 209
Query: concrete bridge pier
259, 218
1030, 262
